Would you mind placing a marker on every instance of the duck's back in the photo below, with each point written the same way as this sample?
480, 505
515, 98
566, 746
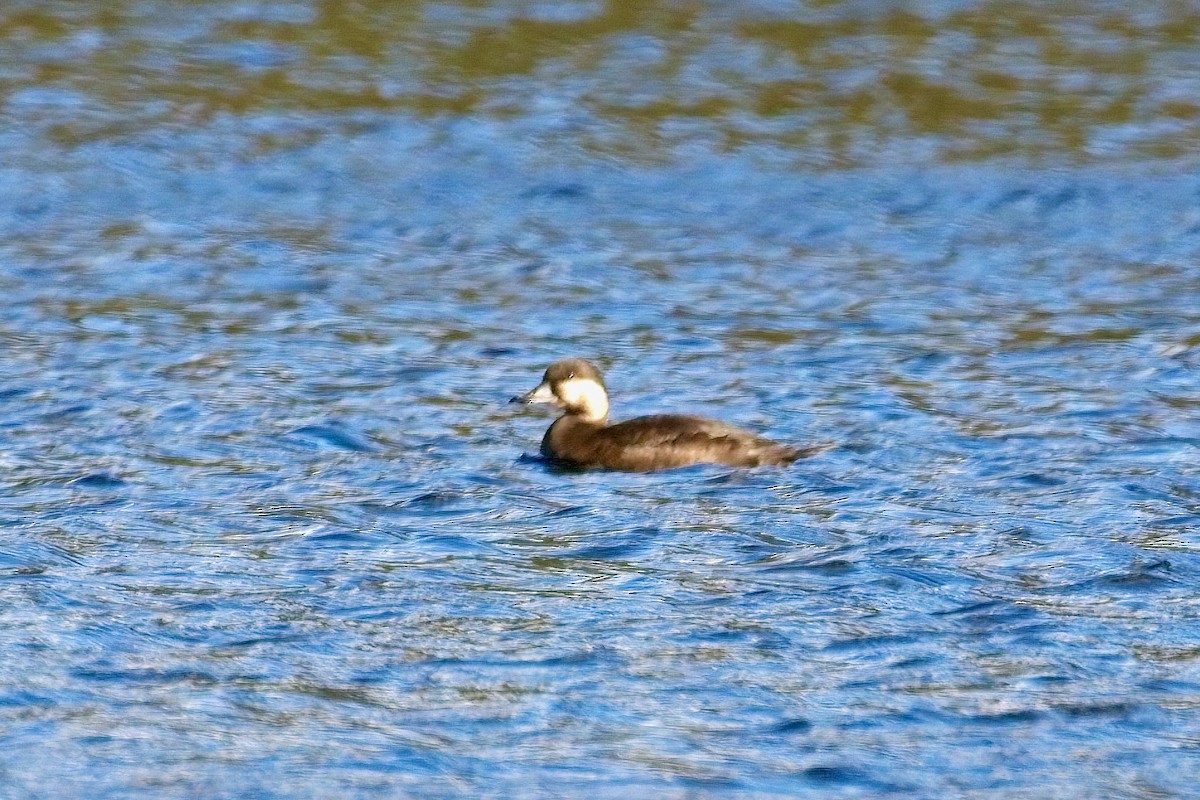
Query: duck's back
662, 441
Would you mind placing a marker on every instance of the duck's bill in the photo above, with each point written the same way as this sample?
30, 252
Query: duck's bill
542, 394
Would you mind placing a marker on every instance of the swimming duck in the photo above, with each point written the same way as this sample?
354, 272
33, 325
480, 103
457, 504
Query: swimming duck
583, 436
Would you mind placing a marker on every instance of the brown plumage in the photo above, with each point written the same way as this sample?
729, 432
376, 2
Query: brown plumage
583, 436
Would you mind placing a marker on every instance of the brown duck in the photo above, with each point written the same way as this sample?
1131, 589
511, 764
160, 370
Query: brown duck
583, 436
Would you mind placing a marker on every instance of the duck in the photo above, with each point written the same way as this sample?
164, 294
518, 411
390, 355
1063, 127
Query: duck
583, 436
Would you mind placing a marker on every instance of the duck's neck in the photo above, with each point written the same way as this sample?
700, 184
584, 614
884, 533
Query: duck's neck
590, 419
585, 400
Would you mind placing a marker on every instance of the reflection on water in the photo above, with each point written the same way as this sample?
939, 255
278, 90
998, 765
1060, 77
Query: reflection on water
822, 84
272, 271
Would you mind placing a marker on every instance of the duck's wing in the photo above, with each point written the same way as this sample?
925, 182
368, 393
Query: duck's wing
669, 429
665, 440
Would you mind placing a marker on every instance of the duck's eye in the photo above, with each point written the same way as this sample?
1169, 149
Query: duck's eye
570, 375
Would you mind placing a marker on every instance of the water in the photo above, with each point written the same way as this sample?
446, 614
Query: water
271, 273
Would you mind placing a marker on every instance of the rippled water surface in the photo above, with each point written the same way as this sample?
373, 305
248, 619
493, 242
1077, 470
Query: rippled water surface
271, 271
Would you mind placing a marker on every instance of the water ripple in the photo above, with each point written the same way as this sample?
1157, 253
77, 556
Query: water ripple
271, 529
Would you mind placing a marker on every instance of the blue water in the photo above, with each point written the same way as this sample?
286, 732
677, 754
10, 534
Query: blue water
270, 529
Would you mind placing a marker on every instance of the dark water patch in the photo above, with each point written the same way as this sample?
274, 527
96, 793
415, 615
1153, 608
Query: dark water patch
569, 511
65, 412
831, 776
98, 480
989, 613
1016, 716
830, 567
336, 538
795, 725
147, 676
333, 435
868, 644
450, 543
1040, 480
392, 510
565, 191
436, 500
13, 392
1115, 709
1183, 521
1137, 578
567, 659
623, 551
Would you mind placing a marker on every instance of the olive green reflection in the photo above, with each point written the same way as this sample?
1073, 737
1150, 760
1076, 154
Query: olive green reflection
836, 83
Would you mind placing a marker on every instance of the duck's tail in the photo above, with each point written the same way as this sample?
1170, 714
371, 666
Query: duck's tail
779, 454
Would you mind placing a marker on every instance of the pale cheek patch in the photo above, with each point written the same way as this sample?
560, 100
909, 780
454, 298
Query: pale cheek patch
586, 395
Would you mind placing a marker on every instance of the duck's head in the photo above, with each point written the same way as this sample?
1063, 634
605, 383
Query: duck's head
573, 385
